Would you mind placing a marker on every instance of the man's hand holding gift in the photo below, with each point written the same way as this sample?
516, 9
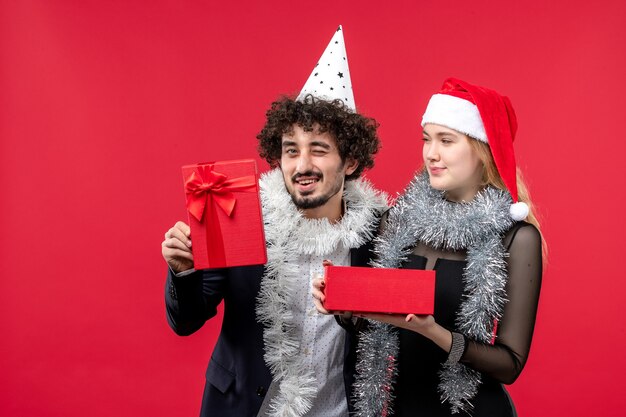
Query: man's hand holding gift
176, 248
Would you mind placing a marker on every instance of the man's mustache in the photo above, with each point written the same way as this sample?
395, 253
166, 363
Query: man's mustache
297, 176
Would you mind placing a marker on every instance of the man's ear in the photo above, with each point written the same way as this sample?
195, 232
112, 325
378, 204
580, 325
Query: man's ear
351, 165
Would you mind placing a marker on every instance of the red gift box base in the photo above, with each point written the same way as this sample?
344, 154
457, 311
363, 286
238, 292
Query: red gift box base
379, 290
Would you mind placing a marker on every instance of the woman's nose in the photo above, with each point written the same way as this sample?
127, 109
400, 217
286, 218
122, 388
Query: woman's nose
432, 152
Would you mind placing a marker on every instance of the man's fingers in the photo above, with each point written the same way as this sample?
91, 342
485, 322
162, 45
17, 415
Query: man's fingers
174, 249
320, 308
175, 244
318, 295
183, 227
178, 233
318, 283
173, 253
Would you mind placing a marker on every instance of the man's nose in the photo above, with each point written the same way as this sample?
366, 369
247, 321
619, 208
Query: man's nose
304, 163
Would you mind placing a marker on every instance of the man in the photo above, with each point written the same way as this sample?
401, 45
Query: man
275, 355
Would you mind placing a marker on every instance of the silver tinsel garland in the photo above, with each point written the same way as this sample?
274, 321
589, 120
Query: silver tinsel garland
289, 234
376, 371
422, 214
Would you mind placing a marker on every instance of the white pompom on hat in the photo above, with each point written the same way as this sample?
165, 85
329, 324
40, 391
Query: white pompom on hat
519, 211
484, 115
330, 79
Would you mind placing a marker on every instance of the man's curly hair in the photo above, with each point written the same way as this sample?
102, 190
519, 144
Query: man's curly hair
355, 134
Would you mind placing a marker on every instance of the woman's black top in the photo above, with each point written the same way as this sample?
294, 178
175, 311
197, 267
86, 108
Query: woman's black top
420, 360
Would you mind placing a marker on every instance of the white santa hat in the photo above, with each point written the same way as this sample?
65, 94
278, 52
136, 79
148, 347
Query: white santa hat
485, 115
330, 79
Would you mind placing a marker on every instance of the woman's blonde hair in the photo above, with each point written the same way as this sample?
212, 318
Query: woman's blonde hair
492, 177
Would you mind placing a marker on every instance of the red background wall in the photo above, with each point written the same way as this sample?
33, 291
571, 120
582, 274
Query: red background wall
101, 102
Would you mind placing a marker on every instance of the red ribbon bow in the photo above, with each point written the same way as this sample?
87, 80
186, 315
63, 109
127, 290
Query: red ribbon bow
205, 183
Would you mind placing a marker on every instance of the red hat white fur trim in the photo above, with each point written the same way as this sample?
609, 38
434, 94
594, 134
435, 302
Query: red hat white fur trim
455, 113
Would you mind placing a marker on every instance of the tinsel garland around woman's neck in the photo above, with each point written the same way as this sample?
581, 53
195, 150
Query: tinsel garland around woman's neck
423, 215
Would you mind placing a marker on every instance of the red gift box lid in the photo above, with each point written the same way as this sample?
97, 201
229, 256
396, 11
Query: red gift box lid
379, 290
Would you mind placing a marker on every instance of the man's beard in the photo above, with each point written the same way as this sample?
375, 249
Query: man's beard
304, 202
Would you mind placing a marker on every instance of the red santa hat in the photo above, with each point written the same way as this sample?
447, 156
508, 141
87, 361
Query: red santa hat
484, 115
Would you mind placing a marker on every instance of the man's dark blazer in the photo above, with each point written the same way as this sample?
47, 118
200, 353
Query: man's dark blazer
237, 376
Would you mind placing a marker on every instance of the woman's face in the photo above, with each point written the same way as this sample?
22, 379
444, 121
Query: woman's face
453, 165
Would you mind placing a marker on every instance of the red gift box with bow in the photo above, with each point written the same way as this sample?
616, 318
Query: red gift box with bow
224, 212
379, 290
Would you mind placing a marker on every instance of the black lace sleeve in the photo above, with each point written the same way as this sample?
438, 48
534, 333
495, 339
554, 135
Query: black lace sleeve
505, 359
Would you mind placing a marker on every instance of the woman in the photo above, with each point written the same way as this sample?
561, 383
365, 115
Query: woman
463, 217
